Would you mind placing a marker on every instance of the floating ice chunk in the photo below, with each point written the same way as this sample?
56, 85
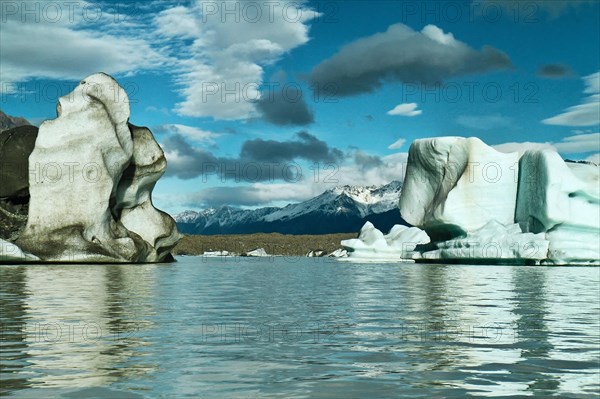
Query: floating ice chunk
339, 253
257, 252
399, 243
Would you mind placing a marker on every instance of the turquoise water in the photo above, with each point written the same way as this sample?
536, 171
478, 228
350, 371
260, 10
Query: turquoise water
298, 328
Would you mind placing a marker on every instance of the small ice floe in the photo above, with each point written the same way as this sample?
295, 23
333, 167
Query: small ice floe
214, 254
398, 245
338, 253
257, 252
316, 253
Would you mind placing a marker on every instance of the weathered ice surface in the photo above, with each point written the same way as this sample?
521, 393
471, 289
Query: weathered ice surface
561, 199
90, 182
493, 241
456, 185
9, 252
134, 196
399, 243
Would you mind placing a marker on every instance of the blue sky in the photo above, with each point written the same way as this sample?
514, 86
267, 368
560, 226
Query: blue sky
264, 103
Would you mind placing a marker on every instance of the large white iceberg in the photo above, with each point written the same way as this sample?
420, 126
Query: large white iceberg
91, 177
455, 185
398, 244
478, 203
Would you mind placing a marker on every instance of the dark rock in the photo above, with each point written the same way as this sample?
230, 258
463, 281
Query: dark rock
15, 147
13, 218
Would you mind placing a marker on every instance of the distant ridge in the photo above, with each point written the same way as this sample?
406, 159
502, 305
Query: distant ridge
9, 122
341, 209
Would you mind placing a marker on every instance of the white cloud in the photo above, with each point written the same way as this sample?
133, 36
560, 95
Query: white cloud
581, 143
522, 147
397, 144
191, 133
577, 144
435, 33
220, 67
408, 109
70, 45
585, 114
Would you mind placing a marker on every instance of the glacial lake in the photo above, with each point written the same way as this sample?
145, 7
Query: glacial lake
298, 328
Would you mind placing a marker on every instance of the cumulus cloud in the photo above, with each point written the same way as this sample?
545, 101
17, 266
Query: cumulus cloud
366, 161
554, 71
396, 145
227, 45
585, 114
401, 54
409, 109
305, 146
284, 104
259, 160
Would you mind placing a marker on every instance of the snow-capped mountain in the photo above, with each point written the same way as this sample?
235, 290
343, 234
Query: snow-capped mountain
338, 210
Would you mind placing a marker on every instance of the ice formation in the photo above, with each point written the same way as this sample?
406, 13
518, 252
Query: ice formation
454, 185
399, 243
477, 203
562, 200
493, 241
91, 178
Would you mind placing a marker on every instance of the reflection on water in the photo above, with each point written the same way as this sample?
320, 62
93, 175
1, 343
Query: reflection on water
298, 328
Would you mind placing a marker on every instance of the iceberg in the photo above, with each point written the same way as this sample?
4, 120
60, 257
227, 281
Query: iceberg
478, 203
562, 200
455, 185
91, 178
398, 244
259, 252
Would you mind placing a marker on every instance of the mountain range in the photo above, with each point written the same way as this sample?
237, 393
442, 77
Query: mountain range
338, 210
